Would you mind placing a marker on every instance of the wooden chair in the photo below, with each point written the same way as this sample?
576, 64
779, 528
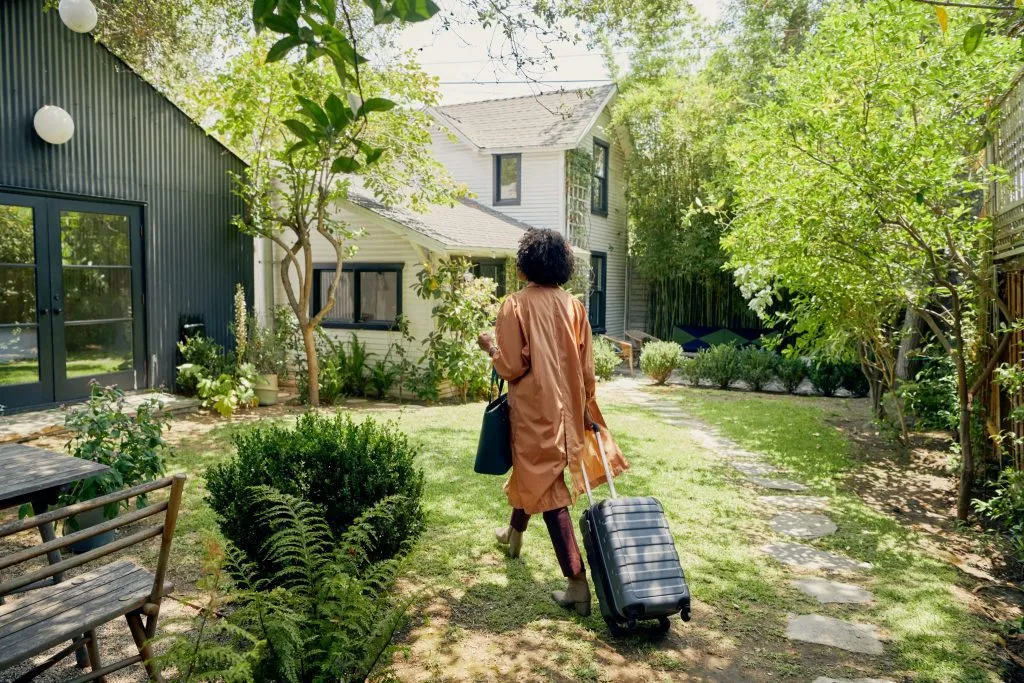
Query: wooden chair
625, 349
40, 618
640, 337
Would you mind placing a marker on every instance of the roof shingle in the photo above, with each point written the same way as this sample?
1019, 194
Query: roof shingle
546, 120
466, 225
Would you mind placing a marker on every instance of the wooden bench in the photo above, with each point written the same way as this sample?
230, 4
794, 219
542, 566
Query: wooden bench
640, 337
38, 619
624, 348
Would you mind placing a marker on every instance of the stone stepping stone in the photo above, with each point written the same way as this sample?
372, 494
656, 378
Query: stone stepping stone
826, 679
826, 591
802, 524
806, 557
777, 484
845, 635
755, 468
796, 502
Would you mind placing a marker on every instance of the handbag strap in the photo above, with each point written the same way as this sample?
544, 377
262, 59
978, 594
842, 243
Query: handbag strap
495, 377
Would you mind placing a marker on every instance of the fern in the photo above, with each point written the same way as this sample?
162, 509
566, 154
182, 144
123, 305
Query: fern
327, 614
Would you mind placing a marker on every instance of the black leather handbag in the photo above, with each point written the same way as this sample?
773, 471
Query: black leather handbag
494, 451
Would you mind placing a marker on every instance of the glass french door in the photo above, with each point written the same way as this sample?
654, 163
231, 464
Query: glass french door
71, 279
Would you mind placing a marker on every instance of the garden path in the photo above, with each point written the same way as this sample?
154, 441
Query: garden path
789, 521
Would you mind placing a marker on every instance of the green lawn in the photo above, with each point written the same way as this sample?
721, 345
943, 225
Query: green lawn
80, 365
482, 616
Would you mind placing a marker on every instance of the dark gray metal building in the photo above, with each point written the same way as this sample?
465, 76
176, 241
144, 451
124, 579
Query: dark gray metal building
108, 240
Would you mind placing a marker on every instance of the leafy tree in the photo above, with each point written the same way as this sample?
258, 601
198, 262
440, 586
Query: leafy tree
857, 184
308, 124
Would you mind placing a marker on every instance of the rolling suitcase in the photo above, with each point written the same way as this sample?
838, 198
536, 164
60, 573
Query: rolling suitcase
632, 558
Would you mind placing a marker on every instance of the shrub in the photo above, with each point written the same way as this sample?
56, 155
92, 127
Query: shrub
826, 376
226, 392
853, 379
343, 369
1005, 509
659, 359
791, 372
722, 365
932, 397
204, 353
695, 369
757, 367
343, 467
606, 359
131, 445
330, 617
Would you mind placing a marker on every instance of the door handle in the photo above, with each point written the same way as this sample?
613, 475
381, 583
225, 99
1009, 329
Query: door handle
43, 311
56, 311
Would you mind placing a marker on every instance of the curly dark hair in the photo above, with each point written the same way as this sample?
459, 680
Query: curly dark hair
545, 258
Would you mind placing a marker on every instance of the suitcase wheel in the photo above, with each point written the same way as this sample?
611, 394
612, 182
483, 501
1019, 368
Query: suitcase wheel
663, 624
618, 629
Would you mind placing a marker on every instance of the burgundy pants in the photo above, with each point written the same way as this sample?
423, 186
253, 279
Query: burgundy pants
562, 537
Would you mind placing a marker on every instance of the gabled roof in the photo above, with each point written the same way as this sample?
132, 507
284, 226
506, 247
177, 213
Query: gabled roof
550, 120
466, 226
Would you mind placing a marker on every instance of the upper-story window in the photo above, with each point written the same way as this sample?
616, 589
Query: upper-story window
508, 178
599, 182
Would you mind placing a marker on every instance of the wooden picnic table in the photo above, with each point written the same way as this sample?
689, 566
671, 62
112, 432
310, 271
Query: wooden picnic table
37, 476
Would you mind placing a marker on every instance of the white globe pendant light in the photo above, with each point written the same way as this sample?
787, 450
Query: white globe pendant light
53, 124
78, 15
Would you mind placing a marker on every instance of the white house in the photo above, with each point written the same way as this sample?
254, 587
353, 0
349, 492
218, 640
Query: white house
517, 157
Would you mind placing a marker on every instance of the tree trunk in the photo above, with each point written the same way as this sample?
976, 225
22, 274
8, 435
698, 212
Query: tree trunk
312, 364
963, 500
910, 339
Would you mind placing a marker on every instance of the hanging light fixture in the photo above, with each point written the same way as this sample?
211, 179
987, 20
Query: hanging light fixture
78, 15
53, 124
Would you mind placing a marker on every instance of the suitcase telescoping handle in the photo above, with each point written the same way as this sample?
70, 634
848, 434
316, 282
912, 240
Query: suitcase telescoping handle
604, 464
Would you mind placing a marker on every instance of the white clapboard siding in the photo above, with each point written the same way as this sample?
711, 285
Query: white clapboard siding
637, 302
378, 244
543, 180
609, 233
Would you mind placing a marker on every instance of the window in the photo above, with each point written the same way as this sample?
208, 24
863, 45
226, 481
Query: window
494, 270
369, 295
598, 283
508, 176
599, 182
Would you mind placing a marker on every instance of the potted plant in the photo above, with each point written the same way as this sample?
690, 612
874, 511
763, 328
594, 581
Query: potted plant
131, 445
269, 356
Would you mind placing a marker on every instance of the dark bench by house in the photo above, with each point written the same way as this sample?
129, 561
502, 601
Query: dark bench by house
693, 338
33, 621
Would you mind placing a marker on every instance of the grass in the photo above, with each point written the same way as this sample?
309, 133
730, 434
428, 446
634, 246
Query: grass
485, 616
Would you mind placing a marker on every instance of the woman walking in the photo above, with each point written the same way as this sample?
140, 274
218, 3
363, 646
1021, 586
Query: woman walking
543, 349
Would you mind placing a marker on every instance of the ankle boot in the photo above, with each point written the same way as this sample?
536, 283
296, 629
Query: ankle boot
511, 538
575, 596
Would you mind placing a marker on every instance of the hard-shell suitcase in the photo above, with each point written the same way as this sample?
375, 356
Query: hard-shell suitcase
632, 558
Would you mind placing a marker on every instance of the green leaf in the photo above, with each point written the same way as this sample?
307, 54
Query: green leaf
973, 37
262, 8
373, 155
282, 48
338, 112
301, 130
376, 104
314, 111
25, 511
344, 164
300, 145
281, 24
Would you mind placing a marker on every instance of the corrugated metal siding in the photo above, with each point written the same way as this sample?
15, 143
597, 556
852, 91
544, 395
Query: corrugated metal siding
132, 145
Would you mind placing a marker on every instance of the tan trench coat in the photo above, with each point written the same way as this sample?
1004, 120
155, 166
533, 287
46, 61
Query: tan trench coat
544, 351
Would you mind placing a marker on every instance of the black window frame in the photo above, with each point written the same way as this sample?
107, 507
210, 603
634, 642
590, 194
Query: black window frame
497, 200
600, 325
599, 203
358, 268
500, 290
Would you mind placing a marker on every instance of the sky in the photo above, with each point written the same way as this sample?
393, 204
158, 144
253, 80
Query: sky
459, 58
